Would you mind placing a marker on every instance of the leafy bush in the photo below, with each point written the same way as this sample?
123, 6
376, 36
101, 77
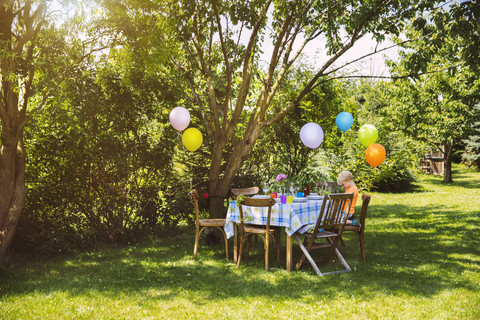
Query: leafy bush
99, 165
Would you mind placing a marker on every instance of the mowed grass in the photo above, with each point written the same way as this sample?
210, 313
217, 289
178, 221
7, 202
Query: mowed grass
423, 263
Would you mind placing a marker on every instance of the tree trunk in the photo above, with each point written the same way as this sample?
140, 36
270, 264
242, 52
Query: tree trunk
12, 191
447, 163
26, 19
220, 187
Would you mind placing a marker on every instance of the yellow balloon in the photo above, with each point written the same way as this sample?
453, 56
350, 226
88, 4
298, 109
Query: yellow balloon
192, 139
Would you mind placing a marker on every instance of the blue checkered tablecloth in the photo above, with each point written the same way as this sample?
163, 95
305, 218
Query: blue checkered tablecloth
291, 216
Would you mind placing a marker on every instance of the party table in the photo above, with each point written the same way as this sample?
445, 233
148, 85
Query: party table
290, 216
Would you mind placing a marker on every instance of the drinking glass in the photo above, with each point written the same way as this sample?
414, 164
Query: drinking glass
292, 189
265, 188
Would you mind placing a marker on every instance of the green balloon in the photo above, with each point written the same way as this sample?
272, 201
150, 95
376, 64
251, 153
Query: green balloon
367, 134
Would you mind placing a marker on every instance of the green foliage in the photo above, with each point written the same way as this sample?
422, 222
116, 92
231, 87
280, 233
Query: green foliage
102, 146
280, 150
396, 173
471, 156
99, 157
436, 108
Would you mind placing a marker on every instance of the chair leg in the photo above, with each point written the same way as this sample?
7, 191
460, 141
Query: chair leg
197, 239
362, 246
342, 260
300, 261
267, 246
279, 239
334, 245
342, 242
306, 255
235, 243
225, 240
239, 258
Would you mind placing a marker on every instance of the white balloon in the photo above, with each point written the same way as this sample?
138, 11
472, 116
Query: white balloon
179, 118
311, 135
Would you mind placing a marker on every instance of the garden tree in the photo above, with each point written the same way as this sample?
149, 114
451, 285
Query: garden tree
437, 107
20, 23
279, 148
462, 21
472, 144
396, 173
99, 163
31, 48
217, 47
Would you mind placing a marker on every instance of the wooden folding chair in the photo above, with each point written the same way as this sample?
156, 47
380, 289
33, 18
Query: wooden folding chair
263, 231
329, 226
360, 229
330, 187
202, 224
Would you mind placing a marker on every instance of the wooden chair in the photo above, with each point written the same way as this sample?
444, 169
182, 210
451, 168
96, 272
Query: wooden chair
329, 226
330, 186
202, 224
250, 191
360, 229
263, 231
244, 191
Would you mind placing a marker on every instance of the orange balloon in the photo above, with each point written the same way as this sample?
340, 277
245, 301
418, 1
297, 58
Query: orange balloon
375, 154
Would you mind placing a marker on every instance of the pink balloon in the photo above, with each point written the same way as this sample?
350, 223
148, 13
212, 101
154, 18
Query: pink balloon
179, 118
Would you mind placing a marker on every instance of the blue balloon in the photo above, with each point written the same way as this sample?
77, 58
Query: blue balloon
344, 121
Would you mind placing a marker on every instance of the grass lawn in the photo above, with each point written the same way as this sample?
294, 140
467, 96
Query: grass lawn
423, 262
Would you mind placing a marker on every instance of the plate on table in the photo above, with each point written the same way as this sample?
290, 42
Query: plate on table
299, 199
261, 196
315, 197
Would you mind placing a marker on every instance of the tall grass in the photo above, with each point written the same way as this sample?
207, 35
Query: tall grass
423, 262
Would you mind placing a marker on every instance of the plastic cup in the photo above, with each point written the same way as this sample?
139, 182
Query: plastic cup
273, 195
299, 194
289, 199
283, 199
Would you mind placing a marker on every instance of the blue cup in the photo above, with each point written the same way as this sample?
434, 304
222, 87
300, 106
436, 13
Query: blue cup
299, 194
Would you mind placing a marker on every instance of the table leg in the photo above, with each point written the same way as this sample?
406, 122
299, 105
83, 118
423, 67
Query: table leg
289, 253
235, 242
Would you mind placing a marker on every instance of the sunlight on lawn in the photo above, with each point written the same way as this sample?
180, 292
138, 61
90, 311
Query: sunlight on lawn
423, 262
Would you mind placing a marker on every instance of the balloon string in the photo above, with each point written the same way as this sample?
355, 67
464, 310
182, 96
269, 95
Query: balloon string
191, 177
185, 150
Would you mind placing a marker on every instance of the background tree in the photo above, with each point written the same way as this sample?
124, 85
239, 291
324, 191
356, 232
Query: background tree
20, 23
437, 107
471, 156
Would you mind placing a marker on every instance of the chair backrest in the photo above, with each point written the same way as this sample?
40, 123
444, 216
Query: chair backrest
333, 214
245, 191
194, 195
269, 203
363, 213
330, 186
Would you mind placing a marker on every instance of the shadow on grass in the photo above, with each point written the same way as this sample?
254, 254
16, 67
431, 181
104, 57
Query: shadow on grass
416, 256
461, 178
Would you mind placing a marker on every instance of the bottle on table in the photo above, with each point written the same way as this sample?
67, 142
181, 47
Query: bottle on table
306, 188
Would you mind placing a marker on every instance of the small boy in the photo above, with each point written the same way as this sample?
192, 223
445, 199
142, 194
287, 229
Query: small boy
345, 179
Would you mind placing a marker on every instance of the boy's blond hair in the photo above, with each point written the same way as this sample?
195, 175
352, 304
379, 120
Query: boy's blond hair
344, 176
